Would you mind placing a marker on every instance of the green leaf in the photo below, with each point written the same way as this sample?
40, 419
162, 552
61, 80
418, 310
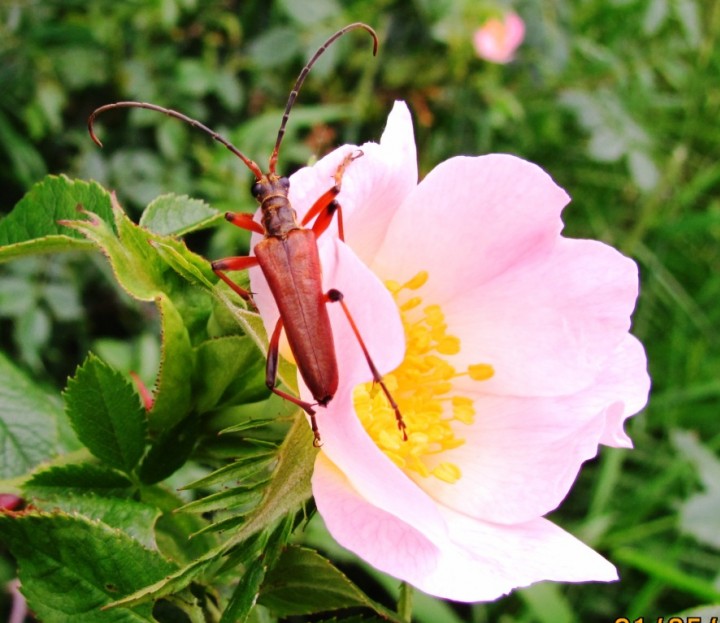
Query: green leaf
290, 485
106, 414
71, 567
303, 582
133, 518
72, 478
245, 593
136, 266
237, 471
149, 266
189, 266
170, 451
173, 395
179, 537
175, 582
289, 488
175, 532
226, 500
28, 422
33, 226
178, 215
232, 372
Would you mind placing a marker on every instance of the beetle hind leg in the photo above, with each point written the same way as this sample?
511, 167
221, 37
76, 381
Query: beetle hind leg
335, 296
271, 372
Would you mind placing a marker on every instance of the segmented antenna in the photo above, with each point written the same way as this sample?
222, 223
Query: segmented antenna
256, 171
301, 79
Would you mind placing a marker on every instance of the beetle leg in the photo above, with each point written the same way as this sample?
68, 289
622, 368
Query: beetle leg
241, 262
244, 221
335, 296
271, 370
326, 206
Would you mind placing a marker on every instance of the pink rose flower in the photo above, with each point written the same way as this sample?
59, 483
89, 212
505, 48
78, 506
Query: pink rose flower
497, 39
506, 346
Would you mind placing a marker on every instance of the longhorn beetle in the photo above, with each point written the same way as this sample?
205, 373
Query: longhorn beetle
289, 260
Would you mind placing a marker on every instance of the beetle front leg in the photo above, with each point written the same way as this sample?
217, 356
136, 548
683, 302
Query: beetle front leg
243, 220
326, 206
271, 372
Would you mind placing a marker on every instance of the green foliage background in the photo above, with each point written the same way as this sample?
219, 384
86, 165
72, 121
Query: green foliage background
618, 100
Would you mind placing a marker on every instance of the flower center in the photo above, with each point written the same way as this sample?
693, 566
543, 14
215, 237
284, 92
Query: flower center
422, 386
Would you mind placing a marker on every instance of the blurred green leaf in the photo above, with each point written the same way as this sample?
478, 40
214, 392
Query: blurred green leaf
310, 12
27, 162
275, 47
28, 422
700, 513
665, 571
547, 603
193, 77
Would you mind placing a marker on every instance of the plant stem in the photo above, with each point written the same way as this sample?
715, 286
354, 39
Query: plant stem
404, 604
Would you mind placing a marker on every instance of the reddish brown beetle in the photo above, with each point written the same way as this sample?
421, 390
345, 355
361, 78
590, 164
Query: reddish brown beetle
288, 257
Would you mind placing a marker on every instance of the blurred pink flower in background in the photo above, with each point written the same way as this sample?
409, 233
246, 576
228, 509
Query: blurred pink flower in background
497, 39
506, 346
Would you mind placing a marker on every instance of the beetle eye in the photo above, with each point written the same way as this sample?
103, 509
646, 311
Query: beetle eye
284, 182
256, 189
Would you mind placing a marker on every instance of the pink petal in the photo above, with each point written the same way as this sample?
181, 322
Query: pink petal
471, 561
471, 219
522, 455
373, 186
551, 322
490, 560
373, 310
371, 473
629, 367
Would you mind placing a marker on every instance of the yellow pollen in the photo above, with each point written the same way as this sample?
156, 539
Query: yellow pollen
423, 388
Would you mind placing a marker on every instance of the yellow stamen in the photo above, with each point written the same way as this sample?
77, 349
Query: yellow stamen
423, 387
480, 371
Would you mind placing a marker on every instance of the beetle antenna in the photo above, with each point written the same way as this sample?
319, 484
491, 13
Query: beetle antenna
301, 79
177, 115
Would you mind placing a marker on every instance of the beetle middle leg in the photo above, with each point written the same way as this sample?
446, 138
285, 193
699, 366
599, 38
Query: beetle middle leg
241, 262
244, 221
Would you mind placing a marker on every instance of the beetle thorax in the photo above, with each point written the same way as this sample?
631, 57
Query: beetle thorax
278, 217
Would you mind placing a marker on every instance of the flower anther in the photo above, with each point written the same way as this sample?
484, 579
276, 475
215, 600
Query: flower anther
423, 388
